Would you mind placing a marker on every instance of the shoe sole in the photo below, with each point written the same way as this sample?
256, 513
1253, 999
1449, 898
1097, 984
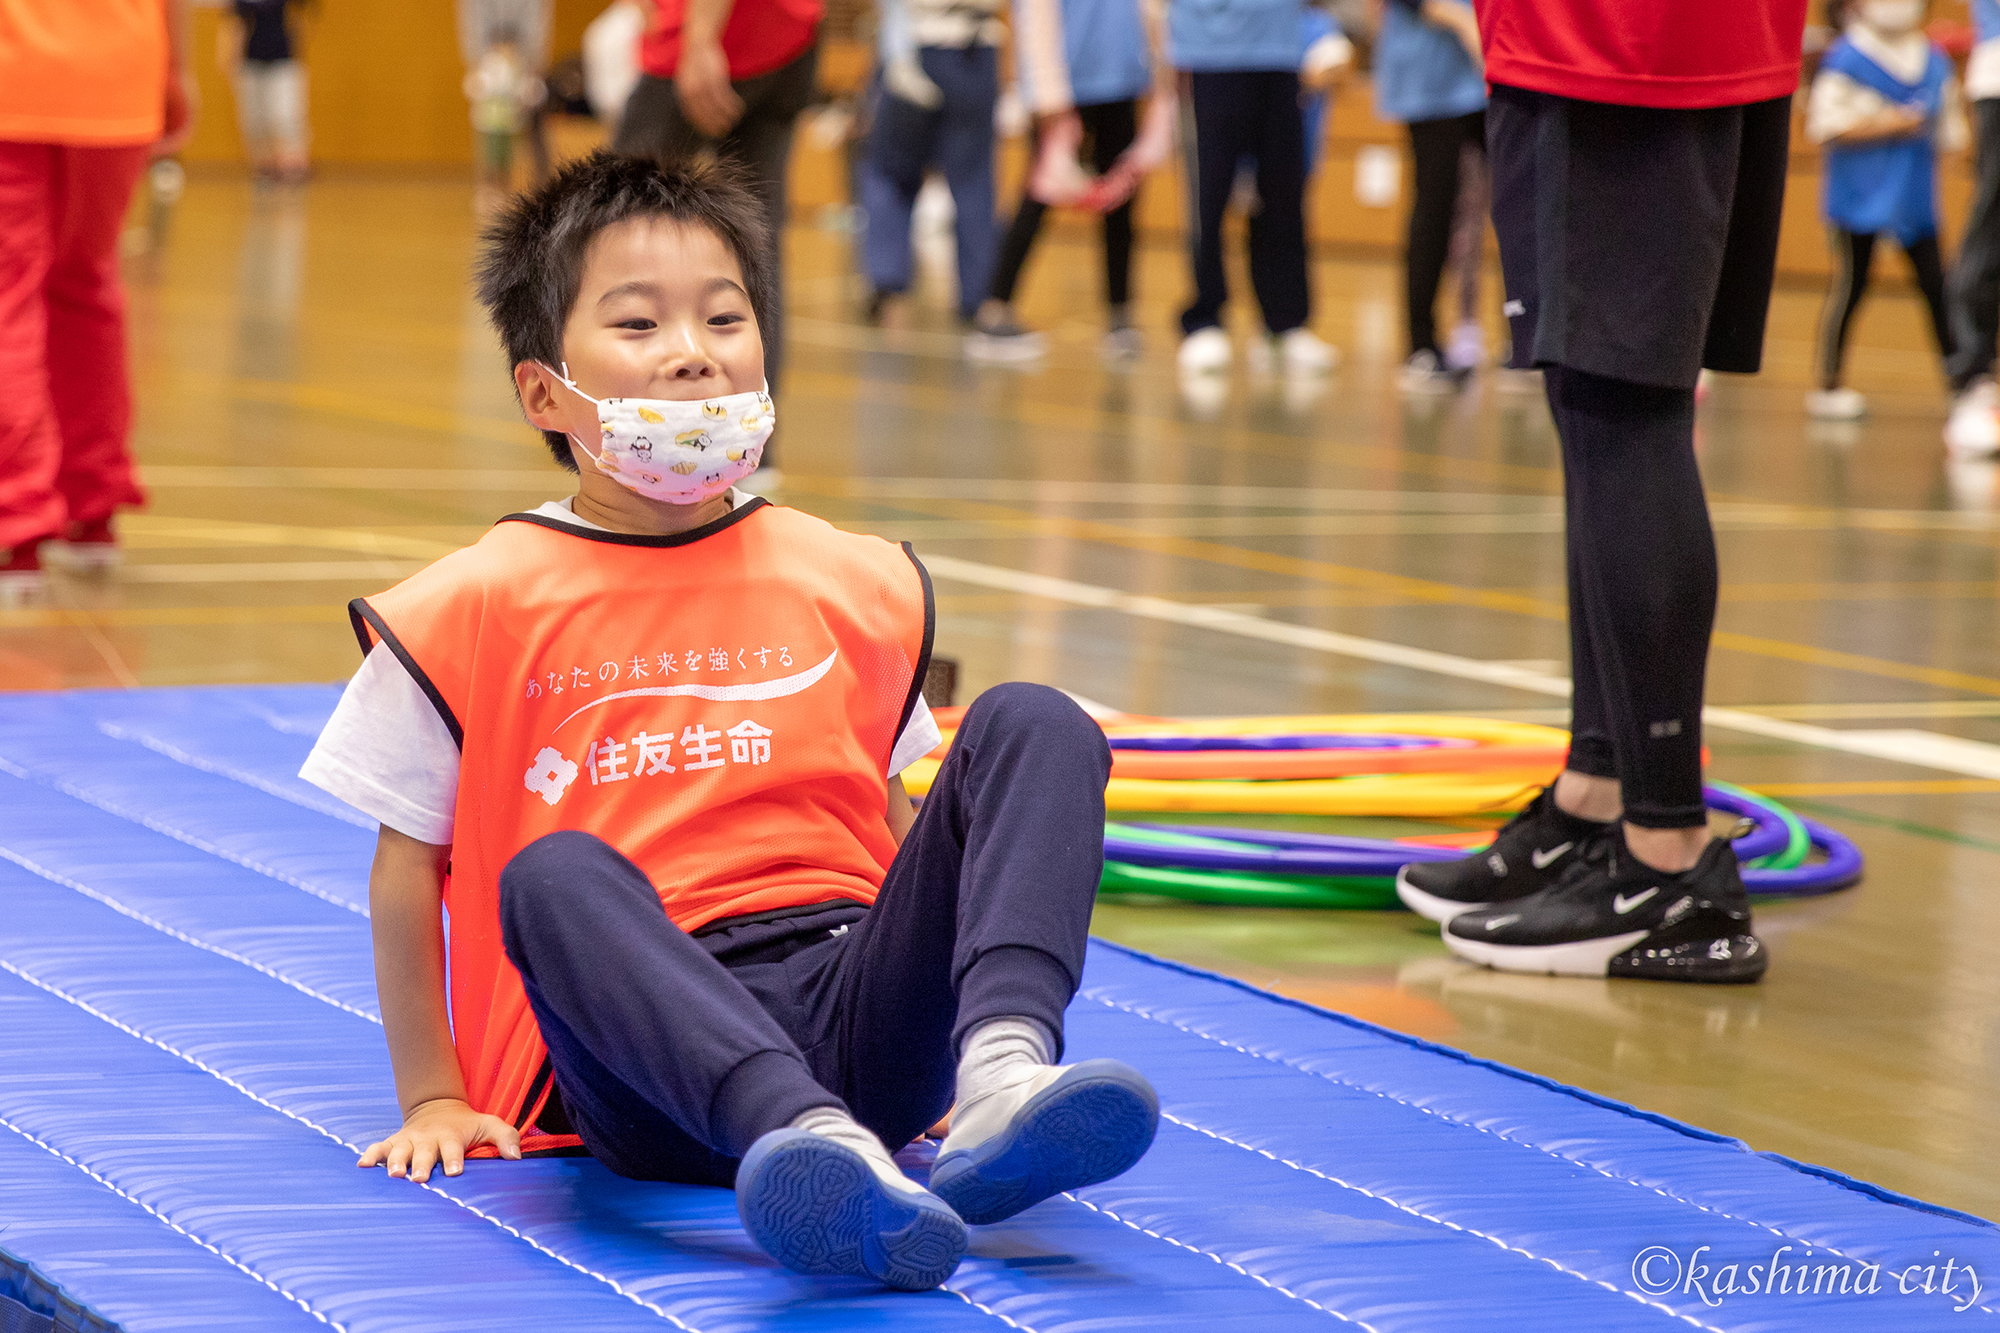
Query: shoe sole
1578, 958
1732, 960
816, 1207
1088, 1126
1428, 905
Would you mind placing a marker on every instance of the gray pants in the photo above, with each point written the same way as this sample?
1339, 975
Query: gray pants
653, 126
1975, 278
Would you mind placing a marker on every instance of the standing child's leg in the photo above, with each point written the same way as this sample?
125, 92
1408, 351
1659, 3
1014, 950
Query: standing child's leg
1020, 239
957, 981
1928, 265
1214, 136
1434, 149
1853, 253
1278, 269
1112, 126
669, 1069
971, 82
899, 149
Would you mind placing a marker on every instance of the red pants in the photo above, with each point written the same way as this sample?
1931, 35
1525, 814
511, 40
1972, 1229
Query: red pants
65, 400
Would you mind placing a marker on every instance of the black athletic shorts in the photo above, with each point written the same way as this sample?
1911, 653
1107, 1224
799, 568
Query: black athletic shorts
1637, 243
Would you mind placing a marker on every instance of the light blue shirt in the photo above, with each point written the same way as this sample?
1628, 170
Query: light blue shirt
1214, 35
1422, 71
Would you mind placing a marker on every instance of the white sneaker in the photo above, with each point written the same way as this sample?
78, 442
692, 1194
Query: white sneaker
1836, 405
1205, 352
1124, 343
1004, 345
1423, 373
1973, 429
1296, 351
1467, 349
1061, 1128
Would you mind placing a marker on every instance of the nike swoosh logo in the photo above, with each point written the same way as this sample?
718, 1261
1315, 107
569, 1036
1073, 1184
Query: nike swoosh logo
1500, 921
1621, 904
1542, 859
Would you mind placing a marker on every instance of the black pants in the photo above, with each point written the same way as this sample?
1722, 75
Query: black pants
652, 126
1435, 147
1232, 115
1108, 128
1642, 586
1975, 278
1853, 255
673, 1053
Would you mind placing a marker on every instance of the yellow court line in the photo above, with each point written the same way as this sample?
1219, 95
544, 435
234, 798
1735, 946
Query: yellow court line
1938, 787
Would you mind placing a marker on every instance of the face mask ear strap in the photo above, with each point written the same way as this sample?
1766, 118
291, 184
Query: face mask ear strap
563, 375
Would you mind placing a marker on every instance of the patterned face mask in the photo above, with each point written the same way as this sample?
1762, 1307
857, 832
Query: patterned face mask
674, 451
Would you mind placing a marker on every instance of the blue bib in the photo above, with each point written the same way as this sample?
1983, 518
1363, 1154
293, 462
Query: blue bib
1890, 185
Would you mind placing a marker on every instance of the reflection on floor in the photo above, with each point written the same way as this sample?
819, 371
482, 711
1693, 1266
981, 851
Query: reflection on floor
322, 411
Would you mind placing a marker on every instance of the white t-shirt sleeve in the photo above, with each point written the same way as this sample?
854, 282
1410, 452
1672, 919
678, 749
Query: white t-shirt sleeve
387, 753
920, 736
1836, 104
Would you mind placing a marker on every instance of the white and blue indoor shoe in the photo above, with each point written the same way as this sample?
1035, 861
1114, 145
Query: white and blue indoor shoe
817, 1206
1067, 1127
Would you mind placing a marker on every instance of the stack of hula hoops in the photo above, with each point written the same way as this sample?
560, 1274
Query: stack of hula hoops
1362, 766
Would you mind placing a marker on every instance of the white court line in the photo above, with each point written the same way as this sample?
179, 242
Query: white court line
1921, 749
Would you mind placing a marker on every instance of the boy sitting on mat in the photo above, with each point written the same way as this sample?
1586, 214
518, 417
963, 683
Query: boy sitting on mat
664, 694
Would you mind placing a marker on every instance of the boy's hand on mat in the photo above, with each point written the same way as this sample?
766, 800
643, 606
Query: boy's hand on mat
441, 1131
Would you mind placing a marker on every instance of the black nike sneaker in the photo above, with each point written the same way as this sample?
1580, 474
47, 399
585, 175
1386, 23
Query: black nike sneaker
1528, 855
1611, 915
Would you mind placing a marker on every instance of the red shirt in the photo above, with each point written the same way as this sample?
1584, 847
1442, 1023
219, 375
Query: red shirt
1664, 53
760, 36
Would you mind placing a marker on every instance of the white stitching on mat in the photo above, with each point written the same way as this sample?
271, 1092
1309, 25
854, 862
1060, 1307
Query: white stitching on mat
987, 1309
180, 835
99, 897
215, 1073
1206, 1254
1460, 1124
1418, 1213
227, 1258
236, 775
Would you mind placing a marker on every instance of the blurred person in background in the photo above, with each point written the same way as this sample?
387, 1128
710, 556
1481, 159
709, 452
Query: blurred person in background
1974, 428
1241, 59
1082, 66
257, 46
1883, 105
934, 99
611, 60
1430, 77
89, 91
505, 46
732, 76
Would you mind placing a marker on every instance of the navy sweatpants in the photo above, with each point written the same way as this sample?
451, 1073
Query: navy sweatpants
1231, 115
673, 1052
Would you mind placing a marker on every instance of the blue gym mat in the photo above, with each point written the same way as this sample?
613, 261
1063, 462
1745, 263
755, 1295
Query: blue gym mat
194, 1058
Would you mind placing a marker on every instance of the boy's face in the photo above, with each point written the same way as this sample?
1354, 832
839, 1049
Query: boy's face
661, 312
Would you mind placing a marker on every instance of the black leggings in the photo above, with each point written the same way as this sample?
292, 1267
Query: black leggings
1108, 129
1853, 253
1435, 146
1642, 584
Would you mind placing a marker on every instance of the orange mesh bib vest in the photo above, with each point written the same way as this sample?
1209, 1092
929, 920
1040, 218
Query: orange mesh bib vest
720, 706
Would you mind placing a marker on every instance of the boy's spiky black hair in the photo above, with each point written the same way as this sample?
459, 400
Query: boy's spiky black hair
531, 262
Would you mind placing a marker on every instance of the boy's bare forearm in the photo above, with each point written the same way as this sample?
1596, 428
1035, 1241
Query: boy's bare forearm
405, 896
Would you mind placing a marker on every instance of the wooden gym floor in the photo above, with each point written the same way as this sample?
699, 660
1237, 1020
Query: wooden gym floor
322, 410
